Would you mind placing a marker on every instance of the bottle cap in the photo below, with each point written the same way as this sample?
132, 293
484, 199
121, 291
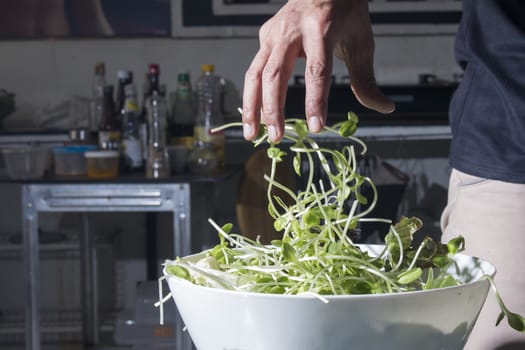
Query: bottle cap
100, 68
123, 74
208, 68
183, 77
153, 68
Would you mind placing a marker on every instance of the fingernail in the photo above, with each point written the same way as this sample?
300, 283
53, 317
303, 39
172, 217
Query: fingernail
314, 124
247, 130
272, 132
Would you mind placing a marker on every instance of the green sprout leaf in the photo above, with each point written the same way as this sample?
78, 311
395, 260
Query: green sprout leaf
456, 245
178, 271
297, 164
227, 228
352, 117
311, 218
409, 276
361, 199
301, 129
275, 153
349, 127
514, 320
277, 243
288, 252
279, 224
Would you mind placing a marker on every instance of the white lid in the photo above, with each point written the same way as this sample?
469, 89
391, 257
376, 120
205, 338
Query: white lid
101, 154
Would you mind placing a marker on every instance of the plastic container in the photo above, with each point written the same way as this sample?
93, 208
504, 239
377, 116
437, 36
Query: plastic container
70, 161
102, 164
28, 162
210, 95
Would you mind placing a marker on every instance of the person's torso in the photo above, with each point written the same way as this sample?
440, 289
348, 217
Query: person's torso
487, 112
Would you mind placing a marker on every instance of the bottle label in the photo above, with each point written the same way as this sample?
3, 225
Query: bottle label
186, 141
184, 91
109, 139
143, 135
132, 150
131, 105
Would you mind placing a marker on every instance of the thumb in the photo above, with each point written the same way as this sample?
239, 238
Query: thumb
356, 49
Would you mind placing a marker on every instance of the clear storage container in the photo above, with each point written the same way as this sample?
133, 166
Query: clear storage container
70, 161
27, 162
102, 164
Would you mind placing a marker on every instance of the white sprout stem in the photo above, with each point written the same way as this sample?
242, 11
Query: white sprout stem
419, 250
220, 281
161, 301
388, 281
281, 187
401, 250
271, 183
320, 205
352, 138
350, 216
386, 221
224, 234
374, 200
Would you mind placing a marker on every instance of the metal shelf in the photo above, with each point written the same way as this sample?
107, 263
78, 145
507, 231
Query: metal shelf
56, 326
85, 197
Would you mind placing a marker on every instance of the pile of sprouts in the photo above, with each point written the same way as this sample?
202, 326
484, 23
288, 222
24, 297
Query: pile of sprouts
315, 254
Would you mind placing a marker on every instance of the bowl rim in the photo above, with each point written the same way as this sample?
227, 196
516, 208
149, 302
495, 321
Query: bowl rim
329, 297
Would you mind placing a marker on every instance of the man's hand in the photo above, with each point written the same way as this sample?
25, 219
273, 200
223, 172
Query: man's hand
315, 29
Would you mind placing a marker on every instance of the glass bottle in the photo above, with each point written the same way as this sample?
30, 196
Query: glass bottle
131, 144
125, 77
143, 119
203, 159
209, 104
151, 83
157, 164
109, 129
183, 114
97, 97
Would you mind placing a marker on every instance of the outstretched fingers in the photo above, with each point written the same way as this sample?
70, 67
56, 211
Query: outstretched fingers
275, 78
252, 95
318, 73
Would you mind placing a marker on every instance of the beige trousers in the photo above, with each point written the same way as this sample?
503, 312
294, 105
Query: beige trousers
491, 216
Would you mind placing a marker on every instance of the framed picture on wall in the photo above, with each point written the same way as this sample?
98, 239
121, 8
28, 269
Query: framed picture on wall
242, 18
34, 19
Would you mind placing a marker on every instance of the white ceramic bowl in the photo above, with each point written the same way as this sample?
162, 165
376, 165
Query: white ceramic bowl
439, 319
